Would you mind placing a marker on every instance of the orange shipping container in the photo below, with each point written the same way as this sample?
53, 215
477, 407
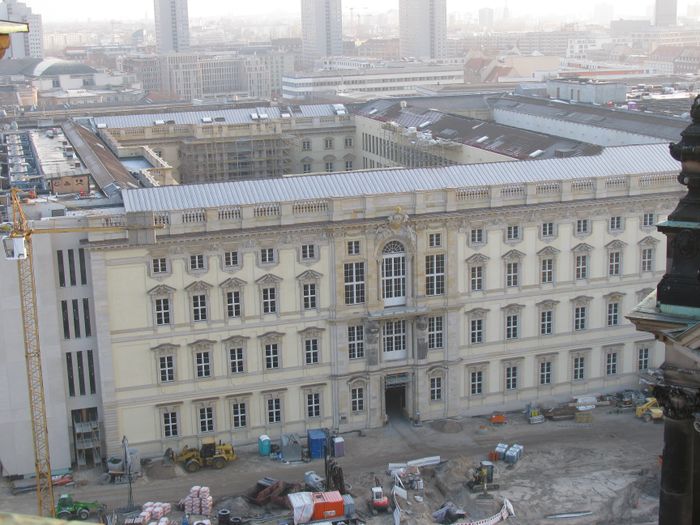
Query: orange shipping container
328, 505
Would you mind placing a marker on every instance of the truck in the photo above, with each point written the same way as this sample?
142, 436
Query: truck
650, 410
211, 454
316, 508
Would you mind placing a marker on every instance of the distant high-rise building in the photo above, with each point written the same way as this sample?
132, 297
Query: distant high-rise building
321, 29
172, 26
23, 45
486, 16
666, 12
423, 28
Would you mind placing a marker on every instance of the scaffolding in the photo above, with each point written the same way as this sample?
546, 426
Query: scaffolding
87, 442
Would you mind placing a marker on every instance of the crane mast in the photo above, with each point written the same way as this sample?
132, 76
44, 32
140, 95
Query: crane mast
32, 354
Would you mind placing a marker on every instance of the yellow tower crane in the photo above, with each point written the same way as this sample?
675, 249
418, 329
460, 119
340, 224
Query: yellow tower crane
18, 246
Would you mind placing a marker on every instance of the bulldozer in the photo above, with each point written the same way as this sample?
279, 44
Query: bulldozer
650, 410
210, 454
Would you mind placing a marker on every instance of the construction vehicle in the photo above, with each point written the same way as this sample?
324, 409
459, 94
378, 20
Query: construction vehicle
323, 508
534, 415
18, 247
67, 508
482, 478
650, 410
380, 501
210, 454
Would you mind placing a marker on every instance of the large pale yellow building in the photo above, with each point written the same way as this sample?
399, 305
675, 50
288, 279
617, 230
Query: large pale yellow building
333, 301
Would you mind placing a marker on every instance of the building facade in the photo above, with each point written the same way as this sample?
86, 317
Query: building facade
321, 29
23, 45
172, 26
423, 28
338, 300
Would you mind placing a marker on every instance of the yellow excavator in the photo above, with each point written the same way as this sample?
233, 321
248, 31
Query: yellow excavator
650, 410
210, 455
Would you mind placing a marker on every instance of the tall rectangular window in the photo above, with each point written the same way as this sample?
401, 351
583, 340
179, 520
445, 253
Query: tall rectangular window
643, 358
435, 274
357, 399
311, 354
547, 273
206, 419
274, 410
61, 269
614, 263
313, 405
435, 388
309, 292
86, 317
162, 307
81, 266
512, 274
511, 377
356, 342
272, 356
71, 267
166, 364
476, 382
546, 322
203, 364
81, 372
69, 371
170, 424
394, 336
269, 300
476, 331
65, 319
545, 372
76, 317
239, 414
580, 318
647, 259
91, 372
581, 267
512, 326
616, 223
611, 364
199, 307
235, 359
354, 282
613, 314
233, 304
435, 332
579, 368
477, 278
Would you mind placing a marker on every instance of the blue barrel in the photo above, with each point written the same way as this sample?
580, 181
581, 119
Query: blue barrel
264, 445
317, 443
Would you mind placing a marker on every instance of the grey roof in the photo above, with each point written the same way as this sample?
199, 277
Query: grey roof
38, 67
229, 116
663, 127
615, 161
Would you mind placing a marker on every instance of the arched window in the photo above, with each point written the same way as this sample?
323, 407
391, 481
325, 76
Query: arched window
394, 274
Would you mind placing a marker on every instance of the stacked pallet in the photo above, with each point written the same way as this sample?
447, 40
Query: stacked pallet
199, 501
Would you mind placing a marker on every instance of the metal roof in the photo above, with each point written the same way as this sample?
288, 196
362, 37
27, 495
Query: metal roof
230, 116
621, 160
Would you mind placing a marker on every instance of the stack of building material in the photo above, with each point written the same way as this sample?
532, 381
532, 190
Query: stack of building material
514, 454
199, 501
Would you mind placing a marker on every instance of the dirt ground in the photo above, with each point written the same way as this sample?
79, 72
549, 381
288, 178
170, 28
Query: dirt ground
608, 467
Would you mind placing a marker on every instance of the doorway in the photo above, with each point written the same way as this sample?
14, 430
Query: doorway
395, 401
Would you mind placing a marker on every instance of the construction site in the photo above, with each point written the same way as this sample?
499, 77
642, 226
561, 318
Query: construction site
593, 460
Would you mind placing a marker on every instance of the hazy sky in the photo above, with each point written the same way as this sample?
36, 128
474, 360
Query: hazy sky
73, 10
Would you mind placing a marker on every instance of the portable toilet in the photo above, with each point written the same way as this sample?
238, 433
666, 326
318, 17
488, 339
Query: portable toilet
338, 447
317, 443
264, 445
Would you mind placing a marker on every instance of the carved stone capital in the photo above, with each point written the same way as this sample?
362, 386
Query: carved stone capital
678, 403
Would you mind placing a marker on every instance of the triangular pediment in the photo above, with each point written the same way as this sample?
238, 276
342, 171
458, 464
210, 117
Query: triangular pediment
269, 278
309, 275
513, 255
198, 286
616, 245
477, 258
233, 282
649, 241
548, 251
582, 247
161, 289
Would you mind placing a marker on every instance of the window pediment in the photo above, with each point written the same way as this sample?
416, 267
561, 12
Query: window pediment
513, 255
436, 371
233, 283
202, 344
582, 248
477, 312
548, 303
648, 241
549, 251
616, 245
198, 286
582, 300
312, 330
309, 275
271, 336
614, 296
513, 307
165, 348
235, 340
161, 289
477, 258
269, 279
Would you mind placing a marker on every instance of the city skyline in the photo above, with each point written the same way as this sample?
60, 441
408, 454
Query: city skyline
136, 10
